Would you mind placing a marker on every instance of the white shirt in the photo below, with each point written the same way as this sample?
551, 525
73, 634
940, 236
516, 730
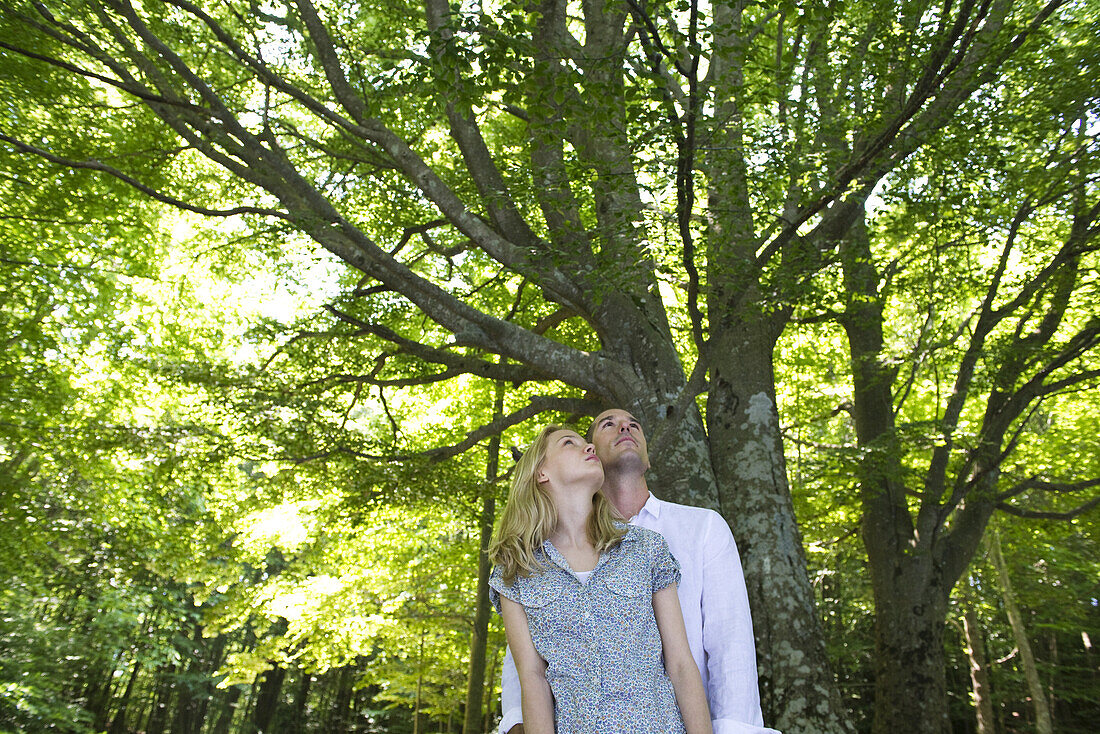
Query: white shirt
715, 604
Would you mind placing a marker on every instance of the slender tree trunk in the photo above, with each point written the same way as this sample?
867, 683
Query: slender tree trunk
1043, 724
118, 723
301, 698
267, 700
979, 671
490, 697
162, 700
192, 692
227, 711
341, 700
1055, 665
97, 696
475, 685
419, 685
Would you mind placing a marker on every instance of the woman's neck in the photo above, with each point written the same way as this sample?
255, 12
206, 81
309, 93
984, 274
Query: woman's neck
570, 536
573, 509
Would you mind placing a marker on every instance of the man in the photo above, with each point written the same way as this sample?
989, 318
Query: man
712, 589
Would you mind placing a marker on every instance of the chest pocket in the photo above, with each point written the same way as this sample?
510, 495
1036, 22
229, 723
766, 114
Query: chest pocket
628, 582
540, 595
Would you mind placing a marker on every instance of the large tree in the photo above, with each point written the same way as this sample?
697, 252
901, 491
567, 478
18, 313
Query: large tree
619, 203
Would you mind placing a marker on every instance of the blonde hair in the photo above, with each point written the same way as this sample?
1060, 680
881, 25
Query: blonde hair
529, 517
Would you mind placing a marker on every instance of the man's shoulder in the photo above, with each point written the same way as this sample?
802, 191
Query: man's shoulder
689, 513
698, 526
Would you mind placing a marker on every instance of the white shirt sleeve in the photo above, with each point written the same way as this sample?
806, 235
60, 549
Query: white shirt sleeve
730, 651
511, 701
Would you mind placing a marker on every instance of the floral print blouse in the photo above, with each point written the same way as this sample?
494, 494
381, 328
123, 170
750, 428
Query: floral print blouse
600, 638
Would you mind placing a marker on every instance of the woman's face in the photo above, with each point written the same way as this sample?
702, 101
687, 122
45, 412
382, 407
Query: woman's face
570, 460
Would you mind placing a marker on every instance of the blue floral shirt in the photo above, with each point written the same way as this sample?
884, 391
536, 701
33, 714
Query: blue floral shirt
600, 639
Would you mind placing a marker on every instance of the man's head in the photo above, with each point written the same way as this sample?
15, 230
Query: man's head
619, 441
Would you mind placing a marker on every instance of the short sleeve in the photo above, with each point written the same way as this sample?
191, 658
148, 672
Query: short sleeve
497, 587
665, 567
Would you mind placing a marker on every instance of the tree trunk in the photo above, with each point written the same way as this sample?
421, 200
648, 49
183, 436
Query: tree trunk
910, 591
97, 695
910, 609
301, 698
419, 684
267, 700
490, 695
979, 671
475, 680
797, 687
227, 711
341, 700
1043, 724
162, 700
118, 723
735, 465
194, 690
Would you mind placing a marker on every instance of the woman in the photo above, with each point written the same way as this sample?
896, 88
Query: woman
589, 604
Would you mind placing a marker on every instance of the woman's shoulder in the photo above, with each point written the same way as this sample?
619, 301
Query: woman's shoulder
536, 589
645, 537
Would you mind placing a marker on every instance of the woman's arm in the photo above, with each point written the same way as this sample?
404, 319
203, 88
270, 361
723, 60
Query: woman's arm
538, 702
680, 665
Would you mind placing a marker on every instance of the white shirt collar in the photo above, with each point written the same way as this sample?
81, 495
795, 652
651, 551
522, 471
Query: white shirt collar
652, 506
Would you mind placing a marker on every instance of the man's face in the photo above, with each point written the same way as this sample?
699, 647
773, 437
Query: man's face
618, 438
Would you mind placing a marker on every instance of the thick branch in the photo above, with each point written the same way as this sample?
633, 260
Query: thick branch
1042, 515
459, 363
1036, 484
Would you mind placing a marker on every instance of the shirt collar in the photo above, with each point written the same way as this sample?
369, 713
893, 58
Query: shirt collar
558, 559
652, 506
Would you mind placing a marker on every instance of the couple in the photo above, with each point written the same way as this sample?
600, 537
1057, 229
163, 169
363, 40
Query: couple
600, 640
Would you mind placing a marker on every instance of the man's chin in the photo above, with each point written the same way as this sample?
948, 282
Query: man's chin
624, 462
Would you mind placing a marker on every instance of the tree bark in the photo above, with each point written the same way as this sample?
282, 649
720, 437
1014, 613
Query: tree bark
475, 679
118, 722
267, 700
227, 710
341, 698
1043, 723
909, 587
798, 690
419, 684
979, 671
475, 688
162, 700
301, 698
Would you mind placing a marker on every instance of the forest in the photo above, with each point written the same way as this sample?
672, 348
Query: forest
287, 285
